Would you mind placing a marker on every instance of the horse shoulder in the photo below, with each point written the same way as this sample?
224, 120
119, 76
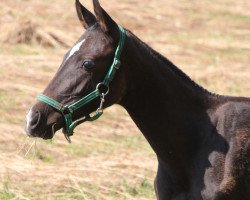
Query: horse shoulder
234, 126
233, 119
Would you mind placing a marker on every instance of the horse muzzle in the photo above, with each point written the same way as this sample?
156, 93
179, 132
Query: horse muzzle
37, 124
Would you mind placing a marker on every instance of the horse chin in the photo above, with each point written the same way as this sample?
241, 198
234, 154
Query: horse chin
47, 136
49, 132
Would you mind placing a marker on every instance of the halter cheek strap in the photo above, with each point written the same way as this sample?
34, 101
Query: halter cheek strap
101, 91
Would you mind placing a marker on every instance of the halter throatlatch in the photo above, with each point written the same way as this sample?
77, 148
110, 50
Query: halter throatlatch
101, 91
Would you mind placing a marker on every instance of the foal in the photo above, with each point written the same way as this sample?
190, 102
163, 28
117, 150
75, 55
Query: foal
201, 140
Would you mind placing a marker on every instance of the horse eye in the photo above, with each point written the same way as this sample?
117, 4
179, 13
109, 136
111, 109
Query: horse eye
88, 64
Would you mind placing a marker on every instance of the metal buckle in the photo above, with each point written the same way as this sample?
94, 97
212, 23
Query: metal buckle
104, 89
65, 110
100, 109
117, 63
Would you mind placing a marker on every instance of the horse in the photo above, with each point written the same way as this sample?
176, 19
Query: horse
201, 139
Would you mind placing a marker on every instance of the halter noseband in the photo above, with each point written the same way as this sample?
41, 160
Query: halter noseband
101, 91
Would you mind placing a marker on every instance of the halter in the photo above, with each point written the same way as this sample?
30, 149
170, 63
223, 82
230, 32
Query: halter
101, 91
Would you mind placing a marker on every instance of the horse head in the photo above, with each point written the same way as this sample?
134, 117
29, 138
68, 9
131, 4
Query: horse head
81, 83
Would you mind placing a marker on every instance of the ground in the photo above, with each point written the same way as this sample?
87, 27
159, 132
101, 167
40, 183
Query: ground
108, 159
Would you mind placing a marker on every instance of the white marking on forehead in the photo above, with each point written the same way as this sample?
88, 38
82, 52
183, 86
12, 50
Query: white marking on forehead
75, 49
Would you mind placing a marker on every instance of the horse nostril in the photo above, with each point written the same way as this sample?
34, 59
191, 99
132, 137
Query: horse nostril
35, 119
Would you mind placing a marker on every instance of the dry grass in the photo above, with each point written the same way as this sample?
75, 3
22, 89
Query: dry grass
108, 159
27, 32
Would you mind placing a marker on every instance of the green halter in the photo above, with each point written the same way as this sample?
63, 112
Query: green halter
101, 91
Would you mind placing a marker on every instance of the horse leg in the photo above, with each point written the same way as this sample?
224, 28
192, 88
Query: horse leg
162, 185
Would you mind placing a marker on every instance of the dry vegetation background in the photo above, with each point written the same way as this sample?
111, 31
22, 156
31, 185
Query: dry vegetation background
108, 159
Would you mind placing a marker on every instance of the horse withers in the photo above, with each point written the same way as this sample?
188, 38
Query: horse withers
202, 140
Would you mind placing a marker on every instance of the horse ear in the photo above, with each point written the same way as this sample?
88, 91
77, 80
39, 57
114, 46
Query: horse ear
107, 24
86, 17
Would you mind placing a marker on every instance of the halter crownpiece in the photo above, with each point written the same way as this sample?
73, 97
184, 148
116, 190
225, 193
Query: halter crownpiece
101, 91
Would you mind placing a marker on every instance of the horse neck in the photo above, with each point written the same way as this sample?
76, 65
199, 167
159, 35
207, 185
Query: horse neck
162, 100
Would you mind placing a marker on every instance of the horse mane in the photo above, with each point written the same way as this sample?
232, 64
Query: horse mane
167, 63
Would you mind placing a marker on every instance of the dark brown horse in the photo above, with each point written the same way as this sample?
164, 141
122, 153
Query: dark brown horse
202, 140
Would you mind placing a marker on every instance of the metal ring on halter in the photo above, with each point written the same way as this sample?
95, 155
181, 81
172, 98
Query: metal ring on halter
65, 110
106, 90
